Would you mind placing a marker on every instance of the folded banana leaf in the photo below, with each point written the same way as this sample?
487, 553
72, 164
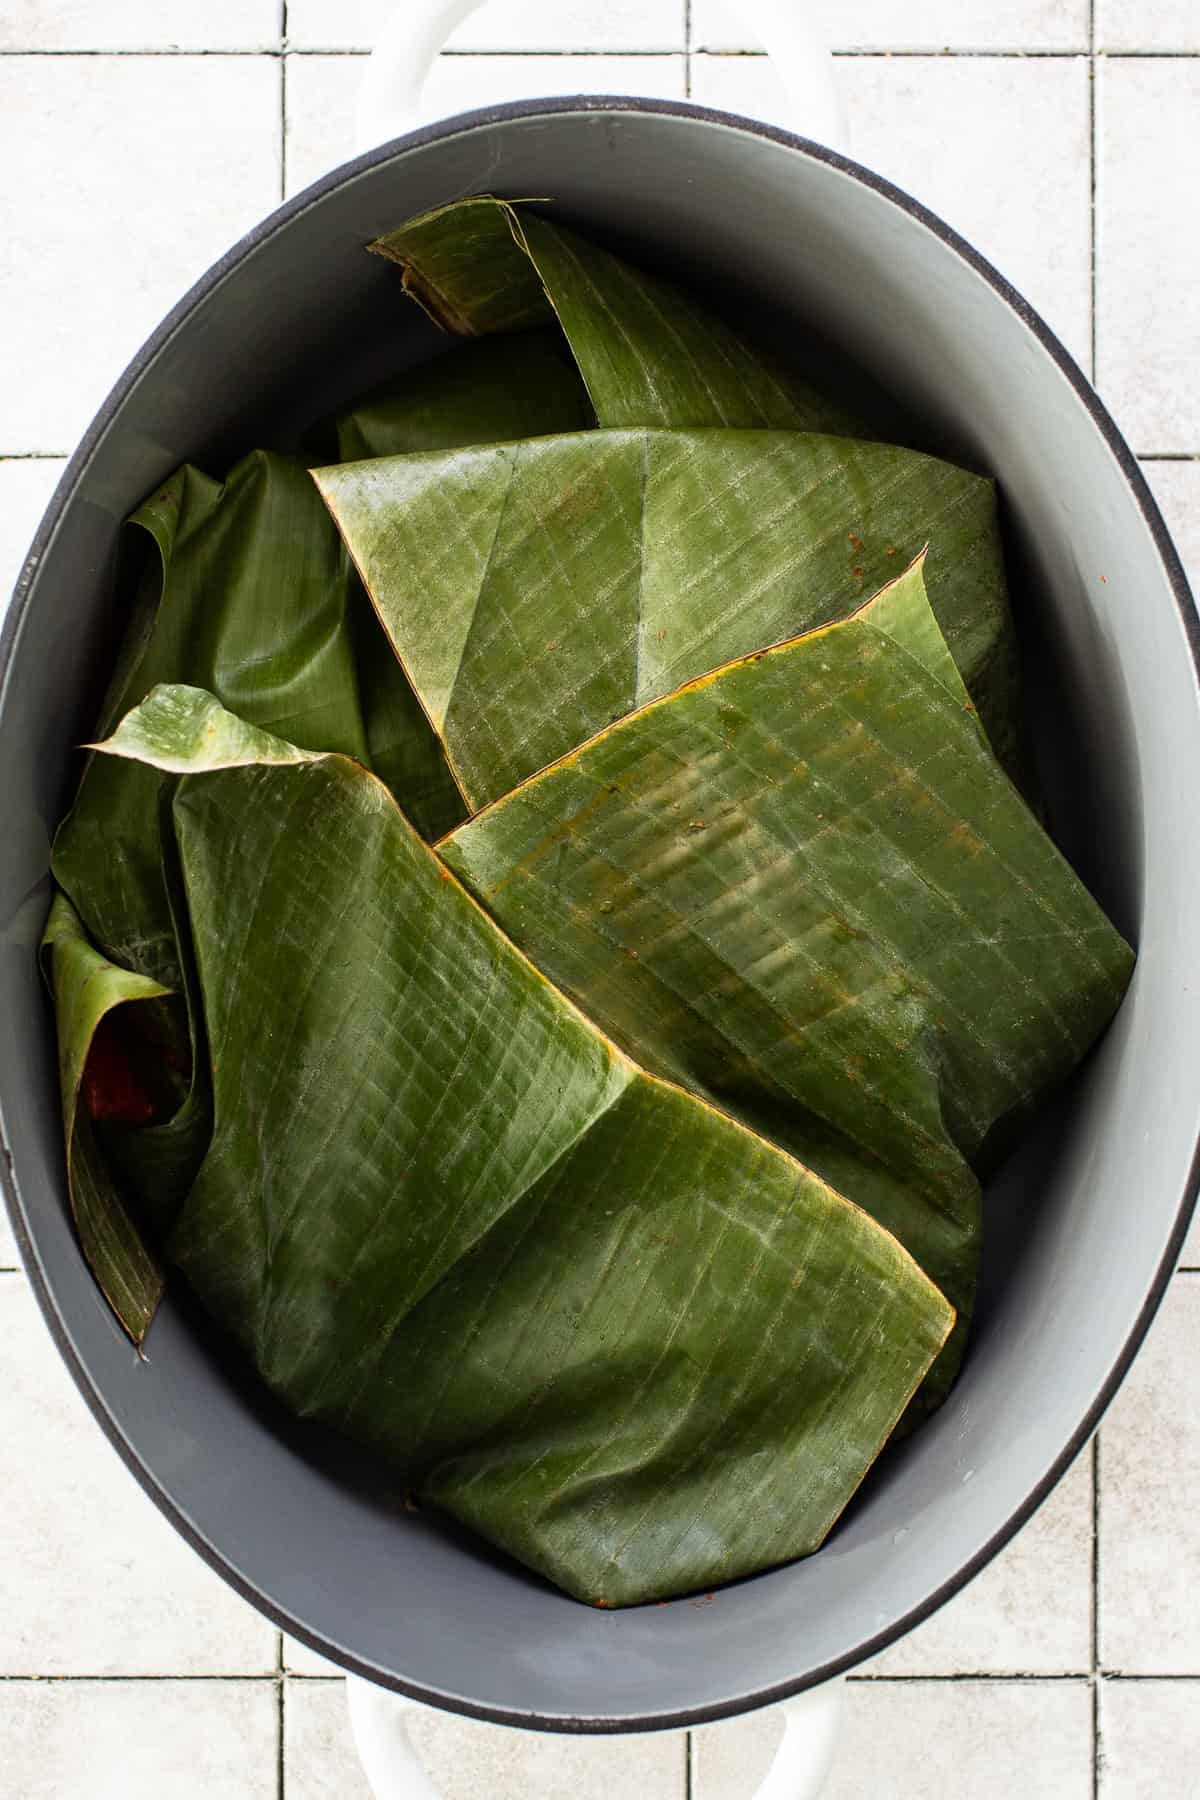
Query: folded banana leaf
99, 1083
246, 586
537, 591
804, 888
649, 353
247, 590
632, 1342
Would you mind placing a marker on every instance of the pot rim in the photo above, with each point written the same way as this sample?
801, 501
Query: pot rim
1185, 604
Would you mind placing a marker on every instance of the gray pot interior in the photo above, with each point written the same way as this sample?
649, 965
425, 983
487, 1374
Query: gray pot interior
1082, 1225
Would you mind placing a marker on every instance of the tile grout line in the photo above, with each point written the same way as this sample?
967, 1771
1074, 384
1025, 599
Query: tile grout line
283, 62
1119, 1678
268, 1678
981, 1678
1075, 1678
146, 50
280, 1689
1096, 1749
1064, 55
687, 91
1092, 174
689, 1765
945, 54
333, 50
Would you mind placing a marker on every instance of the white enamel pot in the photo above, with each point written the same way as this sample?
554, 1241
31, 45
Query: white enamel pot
1083, 1226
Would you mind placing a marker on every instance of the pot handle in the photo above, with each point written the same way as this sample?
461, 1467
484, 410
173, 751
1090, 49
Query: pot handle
389, 98
379, 1721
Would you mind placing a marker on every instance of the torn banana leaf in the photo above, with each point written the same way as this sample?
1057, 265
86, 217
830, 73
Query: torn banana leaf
649, 353
98, 1082
631, 1342
536, 592
803, 887
248, 591
520, 386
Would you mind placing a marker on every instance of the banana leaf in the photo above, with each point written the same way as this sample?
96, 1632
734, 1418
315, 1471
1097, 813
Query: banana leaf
247, 589
98, 1081
537, 591
633, 1343
519, 386
649, 353
803, 887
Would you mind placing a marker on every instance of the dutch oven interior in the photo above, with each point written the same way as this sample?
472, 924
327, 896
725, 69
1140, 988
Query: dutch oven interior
1079, 1222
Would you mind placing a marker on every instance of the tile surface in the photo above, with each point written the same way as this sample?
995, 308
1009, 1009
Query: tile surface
138, 1740
1148, 267
1149, 1525
469, 1761
901, 25
194, 164
335, 24
1147, 25
93, 1580
319, 1752
1150, 1740
139, 25
743, 84
298, 1659
574, 25
911, 1740
502, 25
1176, 487
999, 148
322, 94
1030, 1610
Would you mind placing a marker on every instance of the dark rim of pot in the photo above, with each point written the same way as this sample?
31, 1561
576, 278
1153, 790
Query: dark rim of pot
876, 1641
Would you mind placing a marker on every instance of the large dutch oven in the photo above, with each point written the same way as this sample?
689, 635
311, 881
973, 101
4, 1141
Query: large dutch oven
1083, 1227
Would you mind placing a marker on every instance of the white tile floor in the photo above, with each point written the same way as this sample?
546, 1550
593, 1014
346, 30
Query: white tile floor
139, 140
